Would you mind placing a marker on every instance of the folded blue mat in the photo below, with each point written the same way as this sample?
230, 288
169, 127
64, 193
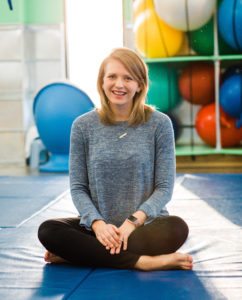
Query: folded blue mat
23, 196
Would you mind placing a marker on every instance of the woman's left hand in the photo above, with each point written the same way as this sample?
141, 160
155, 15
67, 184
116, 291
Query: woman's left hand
125, 230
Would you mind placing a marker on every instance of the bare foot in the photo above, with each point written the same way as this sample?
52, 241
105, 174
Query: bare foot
165, 262
52, 258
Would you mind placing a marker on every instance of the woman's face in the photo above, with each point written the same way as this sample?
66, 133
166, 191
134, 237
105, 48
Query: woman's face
119, 86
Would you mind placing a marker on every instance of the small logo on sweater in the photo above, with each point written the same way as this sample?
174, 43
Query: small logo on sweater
122, 135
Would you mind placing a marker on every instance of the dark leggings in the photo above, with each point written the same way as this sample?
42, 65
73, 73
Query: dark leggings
67, 239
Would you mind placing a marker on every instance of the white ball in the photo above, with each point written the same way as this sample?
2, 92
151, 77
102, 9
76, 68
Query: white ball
185, 15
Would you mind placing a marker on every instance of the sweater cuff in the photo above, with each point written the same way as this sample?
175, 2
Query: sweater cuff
147, 210
87, 220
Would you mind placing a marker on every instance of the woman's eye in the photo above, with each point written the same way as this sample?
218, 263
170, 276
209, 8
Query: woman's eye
128, 78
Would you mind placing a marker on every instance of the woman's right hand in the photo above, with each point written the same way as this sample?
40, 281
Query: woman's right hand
107, 234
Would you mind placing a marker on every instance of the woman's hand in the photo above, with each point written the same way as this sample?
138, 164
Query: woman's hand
125, 230
107, 234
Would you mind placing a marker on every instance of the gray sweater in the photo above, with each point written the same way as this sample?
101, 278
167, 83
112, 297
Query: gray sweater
119, 169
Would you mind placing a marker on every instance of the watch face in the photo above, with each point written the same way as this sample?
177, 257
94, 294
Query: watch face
132, 218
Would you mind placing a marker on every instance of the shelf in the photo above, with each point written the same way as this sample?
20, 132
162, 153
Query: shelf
195, 150
233, 151
193, 58
189, 150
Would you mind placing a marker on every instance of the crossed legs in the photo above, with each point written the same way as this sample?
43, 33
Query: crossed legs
150, 247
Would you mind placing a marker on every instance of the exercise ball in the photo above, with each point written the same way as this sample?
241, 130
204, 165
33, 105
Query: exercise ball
230, 22
163, 88
139, 6
231, 97
196, 83
202, 41
55, 107
176, 123
185, 15
154, 38
205, 124
231, 70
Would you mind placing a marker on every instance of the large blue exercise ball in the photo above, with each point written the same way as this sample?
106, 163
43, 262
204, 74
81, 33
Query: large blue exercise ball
230, 22
55, 108
231, 97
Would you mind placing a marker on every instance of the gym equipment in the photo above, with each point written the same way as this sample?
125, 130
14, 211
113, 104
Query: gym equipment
205, 125
196, 83
202, 41
154, 38
55, 108
176, 125
185, 15
231, 97
163, 88
140, 6
230, 22
209, 203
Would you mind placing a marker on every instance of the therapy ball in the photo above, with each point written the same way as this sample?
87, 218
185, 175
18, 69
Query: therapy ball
196, 83
205, 125
163, 88
154, 38
231, 97
230, 22
185, 15
139, 6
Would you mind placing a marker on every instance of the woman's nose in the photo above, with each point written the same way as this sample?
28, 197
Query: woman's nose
119, 82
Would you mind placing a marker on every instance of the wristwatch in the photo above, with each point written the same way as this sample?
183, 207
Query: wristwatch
133, 220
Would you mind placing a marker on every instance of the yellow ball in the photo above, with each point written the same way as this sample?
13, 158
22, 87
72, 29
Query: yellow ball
139, 6
154, 38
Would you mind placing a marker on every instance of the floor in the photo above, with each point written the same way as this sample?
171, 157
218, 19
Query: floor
211, 204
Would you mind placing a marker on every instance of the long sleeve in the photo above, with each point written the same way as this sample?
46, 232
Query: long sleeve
79, 183
164, 170
116, 170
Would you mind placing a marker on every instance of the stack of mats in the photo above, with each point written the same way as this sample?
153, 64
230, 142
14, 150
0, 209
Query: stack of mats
211, 204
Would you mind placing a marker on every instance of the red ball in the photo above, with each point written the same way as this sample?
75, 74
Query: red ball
206, 127
196, 83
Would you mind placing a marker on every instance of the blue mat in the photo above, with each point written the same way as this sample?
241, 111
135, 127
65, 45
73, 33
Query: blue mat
211, 205
23, 196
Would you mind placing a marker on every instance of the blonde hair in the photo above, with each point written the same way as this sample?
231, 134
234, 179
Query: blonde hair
133, 63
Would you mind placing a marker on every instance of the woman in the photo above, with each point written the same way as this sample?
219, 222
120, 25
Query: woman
122, 169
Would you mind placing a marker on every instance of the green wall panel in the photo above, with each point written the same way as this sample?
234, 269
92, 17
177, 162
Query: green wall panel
14, 16
32, 12
43, 11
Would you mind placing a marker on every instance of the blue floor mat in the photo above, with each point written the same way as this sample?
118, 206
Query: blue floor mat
23, 196
211, 205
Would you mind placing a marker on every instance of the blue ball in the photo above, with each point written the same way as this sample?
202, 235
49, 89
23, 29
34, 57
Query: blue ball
231, 97
230, 22
55, 108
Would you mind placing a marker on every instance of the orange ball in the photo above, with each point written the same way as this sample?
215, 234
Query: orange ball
196, 83
206, 127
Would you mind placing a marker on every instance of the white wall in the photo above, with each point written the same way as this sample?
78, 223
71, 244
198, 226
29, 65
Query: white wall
94, 27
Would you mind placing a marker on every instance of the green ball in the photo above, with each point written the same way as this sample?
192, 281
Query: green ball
202, 40
163, 87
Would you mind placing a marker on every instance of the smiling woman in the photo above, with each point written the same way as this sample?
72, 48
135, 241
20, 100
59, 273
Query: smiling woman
93, 28
122, 171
